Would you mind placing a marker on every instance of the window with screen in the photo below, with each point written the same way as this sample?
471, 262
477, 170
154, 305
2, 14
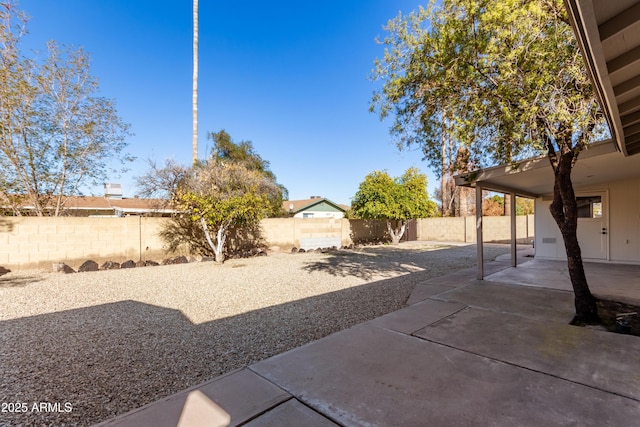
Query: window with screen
589, 207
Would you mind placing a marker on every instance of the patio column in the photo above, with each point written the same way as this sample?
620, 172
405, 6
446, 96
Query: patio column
479, 245
514, 241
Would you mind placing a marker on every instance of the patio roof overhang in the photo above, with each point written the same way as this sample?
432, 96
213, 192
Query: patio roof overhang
599, 164
608, 33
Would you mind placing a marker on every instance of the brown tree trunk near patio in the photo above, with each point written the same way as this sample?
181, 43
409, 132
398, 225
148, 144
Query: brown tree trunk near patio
564, 210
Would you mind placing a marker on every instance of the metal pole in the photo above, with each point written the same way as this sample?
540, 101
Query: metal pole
514, 243
479, 244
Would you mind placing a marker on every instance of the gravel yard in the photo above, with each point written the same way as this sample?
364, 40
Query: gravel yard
100, 344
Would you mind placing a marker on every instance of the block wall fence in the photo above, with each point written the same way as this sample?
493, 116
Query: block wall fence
32, 242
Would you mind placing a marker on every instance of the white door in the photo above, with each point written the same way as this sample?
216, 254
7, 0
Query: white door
593, 232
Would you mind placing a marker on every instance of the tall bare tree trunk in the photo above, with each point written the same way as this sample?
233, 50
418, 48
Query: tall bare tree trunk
195, 82
444, 175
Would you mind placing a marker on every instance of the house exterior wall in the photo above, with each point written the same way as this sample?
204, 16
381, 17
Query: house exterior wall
624, 221
622, 224
309, 214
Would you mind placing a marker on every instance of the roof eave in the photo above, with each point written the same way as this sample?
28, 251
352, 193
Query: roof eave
585, 26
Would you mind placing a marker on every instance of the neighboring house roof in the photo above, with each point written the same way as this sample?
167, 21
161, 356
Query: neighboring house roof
137, 205
295, 206
609, 37
112, 205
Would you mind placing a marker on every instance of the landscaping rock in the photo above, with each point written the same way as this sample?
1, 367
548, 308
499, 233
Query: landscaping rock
254, 251
301, 251
88, 265
262, 253
141, 264
61, 267
294, 250
206, 259
4, 271
110, 265
128, 264
176, 260
151, 263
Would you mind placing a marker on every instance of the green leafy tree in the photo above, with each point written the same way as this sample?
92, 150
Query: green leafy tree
393, 199
56, 134
223, 196
227, 194
226, 150
508, 80
524, 206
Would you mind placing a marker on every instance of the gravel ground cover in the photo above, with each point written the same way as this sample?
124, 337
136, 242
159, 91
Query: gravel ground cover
82, 348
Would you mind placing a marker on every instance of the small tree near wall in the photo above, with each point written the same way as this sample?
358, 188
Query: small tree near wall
393, 199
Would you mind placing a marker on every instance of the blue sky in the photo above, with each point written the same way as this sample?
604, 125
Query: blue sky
290, 76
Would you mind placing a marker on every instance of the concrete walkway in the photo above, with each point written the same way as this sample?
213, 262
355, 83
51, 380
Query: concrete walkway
464, 352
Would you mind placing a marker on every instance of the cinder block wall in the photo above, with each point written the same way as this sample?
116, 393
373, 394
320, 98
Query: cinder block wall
463, 229
286, 233
442, 229
31, 242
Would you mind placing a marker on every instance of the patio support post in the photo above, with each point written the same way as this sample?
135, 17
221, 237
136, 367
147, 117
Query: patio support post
514, 243
479, 245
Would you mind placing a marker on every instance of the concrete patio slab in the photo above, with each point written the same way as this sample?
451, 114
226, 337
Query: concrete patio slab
565, 351
620, 282
456, 279
464, 353
417, 316
538, 304
368, 376
537, 277
229, 400
292, 413
425, 290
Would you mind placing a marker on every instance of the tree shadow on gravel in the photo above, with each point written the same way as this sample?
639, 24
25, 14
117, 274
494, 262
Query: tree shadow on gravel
108, 359
18, 281
386, 261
